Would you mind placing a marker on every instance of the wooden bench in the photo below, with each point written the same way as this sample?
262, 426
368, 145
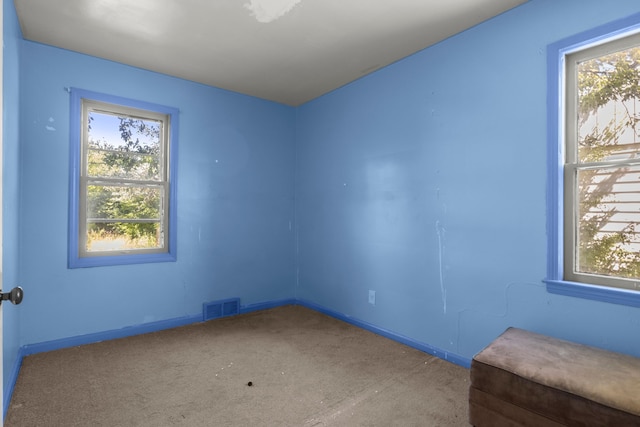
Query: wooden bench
527, 379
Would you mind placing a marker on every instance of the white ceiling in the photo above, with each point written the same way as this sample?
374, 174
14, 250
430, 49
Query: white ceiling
288, 51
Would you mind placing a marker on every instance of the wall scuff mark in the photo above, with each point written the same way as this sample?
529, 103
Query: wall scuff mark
50, 127
440, 230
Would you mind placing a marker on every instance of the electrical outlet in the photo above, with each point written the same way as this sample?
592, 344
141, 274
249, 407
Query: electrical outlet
372, 297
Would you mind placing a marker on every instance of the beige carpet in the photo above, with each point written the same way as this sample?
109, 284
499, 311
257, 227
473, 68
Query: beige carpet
306, 369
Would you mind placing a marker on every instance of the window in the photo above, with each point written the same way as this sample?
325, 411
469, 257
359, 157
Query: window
602, 165
123, 204
594, 158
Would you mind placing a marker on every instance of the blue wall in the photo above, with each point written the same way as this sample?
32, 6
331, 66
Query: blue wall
426, 181
235, 202
10, 187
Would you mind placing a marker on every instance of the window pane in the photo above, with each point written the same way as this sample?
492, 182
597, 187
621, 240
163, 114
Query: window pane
123, 202
608, 214
123, 147
118, 236
123, 217
608, 107
116, 164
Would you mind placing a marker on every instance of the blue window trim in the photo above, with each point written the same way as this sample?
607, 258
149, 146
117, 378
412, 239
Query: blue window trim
74, 261
556, 53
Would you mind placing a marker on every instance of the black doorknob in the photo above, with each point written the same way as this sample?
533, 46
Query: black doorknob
15, 295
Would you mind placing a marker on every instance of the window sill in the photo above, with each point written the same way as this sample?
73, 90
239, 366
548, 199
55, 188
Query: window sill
594, 292
103, 261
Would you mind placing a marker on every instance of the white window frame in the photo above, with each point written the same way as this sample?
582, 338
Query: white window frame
573, 165
82, 104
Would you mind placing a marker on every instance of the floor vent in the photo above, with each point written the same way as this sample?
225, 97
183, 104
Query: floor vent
222, 308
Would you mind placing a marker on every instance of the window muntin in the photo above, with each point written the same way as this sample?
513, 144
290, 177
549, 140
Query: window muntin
602, 169
122, 199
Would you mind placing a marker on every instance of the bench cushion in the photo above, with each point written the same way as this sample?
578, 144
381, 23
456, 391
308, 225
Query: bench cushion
526, 378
